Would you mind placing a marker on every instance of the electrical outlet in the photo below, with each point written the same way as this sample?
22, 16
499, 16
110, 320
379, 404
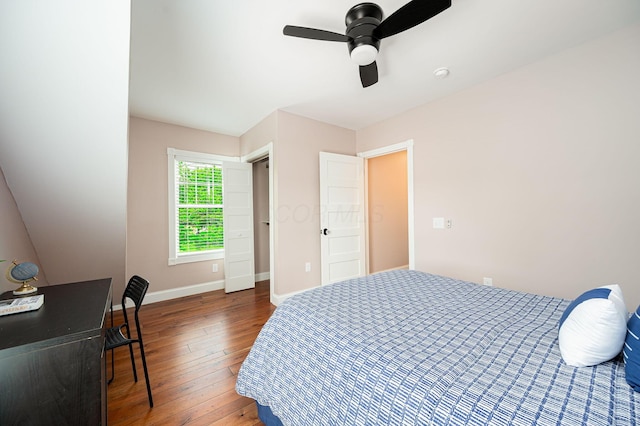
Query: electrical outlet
307, 267
487, 281
215, 267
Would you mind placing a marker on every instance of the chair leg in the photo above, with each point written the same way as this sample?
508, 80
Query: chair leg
146, 372
133, 363
113, 368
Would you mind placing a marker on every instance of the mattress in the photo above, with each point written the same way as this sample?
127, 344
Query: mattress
406, 347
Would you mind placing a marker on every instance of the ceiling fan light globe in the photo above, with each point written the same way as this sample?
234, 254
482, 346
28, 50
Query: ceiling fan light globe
364, 54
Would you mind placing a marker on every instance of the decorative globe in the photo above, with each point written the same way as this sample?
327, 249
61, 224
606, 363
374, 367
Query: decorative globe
23, 273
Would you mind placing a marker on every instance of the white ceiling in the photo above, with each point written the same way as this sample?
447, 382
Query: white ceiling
223, 66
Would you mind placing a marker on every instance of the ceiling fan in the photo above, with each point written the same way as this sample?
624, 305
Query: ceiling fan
365, 29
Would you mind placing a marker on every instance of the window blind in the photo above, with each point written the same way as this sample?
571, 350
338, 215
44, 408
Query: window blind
199, 206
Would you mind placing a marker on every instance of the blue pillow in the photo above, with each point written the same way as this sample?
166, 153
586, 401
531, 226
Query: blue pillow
593, 327
632, 351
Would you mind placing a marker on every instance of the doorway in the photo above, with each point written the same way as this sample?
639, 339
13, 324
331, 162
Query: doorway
261, 160
261, 222
387, 207
396, 223
354, 205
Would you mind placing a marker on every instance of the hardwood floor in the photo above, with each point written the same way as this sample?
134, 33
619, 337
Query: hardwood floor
194, 346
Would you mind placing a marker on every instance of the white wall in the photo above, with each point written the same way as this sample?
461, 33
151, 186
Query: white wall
538, 170
63, 130
15, 243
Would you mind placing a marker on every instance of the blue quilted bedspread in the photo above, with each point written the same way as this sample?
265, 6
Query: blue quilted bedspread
409, 348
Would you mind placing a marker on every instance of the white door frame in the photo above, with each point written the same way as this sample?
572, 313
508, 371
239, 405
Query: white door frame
252, 157
390, 149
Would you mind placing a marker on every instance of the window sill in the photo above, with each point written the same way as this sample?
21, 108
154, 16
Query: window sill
201, 257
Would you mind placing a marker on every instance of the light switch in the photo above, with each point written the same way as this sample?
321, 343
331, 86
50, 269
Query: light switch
438, 223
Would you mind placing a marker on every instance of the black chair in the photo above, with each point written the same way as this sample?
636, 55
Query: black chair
136, 289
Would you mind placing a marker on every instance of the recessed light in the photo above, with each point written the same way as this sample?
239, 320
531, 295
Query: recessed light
441, 72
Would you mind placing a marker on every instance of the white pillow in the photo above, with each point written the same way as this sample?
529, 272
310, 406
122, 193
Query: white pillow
593, 327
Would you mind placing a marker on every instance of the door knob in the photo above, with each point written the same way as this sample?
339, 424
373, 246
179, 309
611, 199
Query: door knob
325, 231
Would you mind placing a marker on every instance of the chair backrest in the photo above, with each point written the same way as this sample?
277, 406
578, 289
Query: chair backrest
136, 289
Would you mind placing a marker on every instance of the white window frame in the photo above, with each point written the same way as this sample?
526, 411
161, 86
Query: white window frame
174, 155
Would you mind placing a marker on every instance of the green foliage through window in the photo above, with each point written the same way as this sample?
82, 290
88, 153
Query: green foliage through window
199, 205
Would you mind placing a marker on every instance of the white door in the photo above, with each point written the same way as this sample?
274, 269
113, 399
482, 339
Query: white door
342, 219
237, 193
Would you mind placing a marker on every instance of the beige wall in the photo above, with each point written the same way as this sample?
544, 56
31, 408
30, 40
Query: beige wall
260, 135
256, 138
388, 241
538, 171
297, 212
297, 142
15, 243
148, 216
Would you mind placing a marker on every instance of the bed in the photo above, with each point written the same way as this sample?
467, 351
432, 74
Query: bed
410, 348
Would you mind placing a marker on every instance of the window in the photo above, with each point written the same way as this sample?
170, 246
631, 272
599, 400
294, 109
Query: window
196, 227
199, 206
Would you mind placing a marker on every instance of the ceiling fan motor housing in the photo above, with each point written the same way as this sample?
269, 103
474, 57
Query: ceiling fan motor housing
362, 19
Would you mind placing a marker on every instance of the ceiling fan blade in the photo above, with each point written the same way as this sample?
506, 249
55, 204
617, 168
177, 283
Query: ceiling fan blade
369, 74
313, 33
408, 16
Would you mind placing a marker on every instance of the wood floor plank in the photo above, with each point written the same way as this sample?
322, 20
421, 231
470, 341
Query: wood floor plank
246, 416
195, 347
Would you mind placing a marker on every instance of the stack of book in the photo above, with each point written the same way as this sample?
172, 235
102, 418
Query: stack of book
21, 304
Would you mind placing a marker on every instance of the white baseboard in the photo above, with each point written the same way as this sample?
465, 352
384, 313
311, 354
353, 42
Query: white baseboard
174, 293
278, 299
392, 269
262, 276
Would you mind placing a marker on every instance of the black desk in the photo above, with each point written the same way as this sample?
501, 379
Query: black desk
52, 369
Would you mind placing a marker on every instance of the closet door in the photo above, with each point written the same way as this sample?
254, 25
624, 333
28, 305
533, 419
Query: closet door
237, 193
